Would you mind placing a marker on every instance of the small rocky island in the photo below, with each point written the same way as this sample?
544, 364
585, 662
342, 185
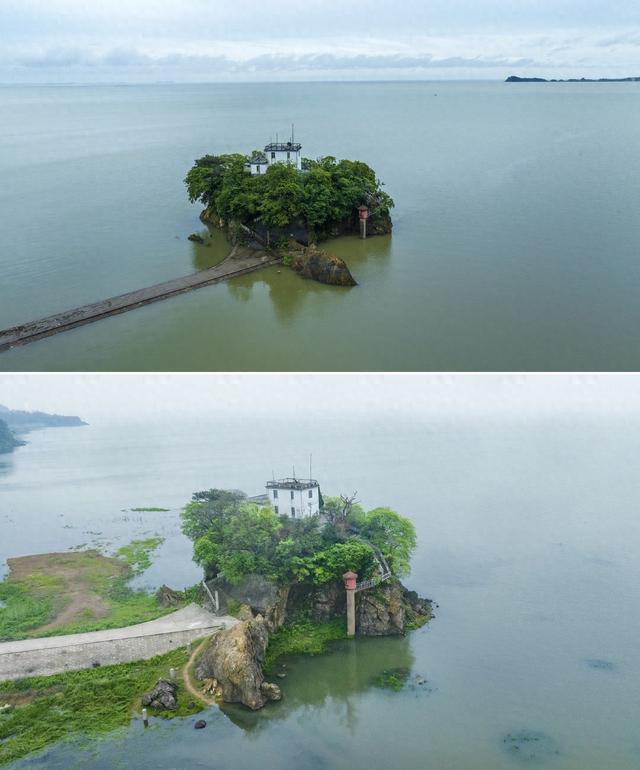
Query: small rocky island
517, 79
290, 579
277, 201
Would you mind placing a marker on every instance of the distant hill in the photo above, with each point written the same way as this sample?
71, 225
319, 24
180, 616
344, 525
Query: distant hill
516, 79
24, 421
8, 442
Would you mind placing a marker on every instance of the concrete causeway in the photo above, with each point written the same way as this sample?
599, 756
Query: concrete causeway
239, 262
55, 654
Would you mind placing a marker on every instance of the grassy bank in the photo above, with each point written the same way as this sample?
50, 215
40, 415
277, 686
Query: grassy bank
303, 638
46, 710
62, 593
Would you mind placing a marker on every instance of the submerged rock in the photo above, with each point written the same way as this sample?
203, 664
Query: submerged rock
320, 266
234, 659
195, 238
200, 724
163, 696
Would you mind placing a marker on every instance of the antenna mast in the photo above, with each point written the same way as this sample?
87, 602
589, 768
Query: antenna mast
310, 466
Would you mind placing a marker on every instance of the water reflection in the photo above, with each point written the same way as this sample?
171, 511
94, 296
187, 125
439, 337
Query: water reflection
210, 253
347, 670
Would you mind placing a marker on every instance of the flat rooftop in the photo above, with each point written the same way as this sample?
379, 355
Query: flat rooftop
292, 483
283, 147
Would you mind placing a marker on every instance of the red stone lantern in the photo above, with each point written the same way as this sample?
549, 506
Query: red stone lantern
363, 212
350, 580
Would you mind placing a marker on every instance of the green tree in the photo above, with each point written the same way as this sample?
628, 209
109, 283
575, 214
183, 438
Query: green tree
393, 534
281, 195
333, 562
208, 510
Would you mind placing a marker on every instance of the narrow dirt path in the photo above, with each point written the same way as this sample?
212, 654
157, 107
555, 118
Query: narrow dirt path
186, 676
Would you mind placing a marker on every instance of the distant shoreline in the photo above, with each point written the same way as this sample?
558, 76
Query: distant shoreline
516, 79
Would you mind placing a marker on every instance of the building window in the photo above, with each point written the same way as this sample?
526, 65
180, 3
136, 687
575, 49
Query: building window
275, 494
258, 169
293, 512
273, 156
276, 508
292, 494
311, 493
288, 156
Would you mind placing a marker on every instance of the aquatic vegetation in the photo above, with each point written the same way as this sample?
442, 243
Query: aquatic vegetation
49, 709
303, 638
392, 678
137, 554
149, 510
531, 746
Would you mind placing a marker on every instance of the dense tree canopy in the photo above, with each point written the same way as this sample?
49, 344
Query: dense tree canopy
235, 537
327, 191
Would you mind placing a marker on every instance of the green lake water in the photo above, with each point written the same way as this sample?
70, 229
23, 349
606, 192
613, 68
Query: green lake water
515, 245
528, 540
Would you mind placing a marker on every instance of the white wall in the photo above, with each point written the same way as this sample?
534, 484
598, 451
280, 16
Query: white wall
303, 504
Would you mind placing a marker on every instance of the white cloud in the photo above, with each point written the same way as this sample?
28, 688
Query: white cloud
216, 40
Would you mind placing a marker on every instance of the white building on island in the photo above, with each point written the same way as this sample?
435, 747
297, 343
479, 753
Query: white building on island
294, 497
277, 152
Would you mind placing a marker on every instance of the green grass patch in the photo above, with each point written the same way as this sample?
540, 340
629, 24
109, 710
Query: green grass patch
392, 679
137, 554
21, 611
149, 510
52, 708
39, 587
303, 638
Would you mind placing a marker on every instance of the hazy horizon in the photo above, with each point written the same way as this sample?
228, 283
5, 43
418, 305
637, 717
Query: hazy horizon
207, 41
123, 397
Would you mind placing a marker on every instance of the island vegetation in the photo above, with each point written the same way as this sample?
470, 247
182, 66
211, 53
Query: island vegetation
238, 538
283, 578
323, 197
293, 566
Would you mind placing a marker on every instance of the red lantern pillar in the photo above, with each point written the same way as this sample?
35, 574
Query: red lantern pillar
363, 213
350, 587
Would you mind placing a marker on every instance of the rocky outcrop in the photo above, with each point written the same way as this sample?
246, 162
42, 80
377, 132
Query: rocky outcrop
390, 609
234, 659
320, 266
167, 597
261, 595
195, 237
163, 696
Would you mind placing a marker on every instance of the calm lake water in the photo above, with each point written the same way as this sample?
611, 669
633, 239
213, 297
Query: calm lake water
528, 540
515, 246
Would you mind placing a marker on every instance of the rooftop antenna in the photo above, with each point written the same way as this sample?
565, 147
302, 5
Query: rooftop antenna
310, 466
294, 471
292, 132
273, 475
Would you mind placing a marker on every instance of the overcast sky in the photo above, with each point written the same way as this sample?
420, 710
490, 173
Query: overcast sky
219, 40
106, 398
